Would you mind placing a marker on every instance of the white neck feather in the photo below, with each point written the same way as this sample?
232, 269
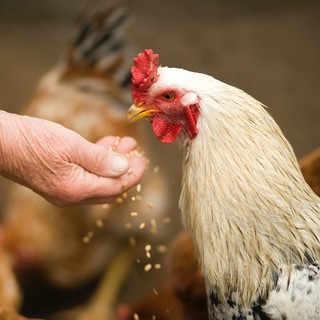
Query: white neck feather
243, 196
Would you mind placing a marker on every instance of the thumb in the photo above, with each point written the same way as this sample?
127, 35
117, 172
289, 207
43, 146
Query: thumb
103, 161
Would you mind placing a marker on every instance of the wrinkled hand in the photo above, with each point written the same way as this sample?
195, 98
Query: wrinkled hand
62, 166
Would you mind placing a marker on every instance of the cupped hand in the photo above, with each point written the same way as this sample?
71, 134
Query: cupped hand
62, 166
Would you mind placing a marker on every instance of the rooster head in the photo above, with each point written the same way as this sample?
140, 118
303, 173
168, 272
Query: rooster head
159, 94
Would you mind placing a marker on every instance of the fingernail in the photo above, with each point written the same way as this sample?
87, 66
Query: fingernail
119, 163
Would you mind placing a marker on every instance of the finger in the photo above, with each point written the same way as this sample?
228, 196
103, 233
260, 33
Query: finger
106, 190
102, 161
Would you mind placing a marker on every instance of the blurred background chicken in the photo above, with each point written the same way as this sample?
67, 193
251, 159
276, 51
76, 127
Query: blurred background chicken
86, 91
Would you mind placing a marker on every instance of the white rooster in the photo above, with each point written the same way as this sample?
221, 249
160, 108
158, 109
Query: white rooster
255, 221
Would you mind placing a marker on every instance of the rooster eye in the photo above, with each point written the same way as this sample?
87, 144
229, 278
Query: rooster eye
168, 96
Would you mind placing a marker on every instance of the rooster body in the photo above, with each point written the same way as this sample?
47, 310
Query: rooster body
255, 221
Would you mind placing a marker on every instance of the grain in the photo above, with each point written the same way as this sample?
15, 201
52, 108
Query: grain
139, 188
132, 241
162, 248
142, 225
99, 223
148, 267
166, 220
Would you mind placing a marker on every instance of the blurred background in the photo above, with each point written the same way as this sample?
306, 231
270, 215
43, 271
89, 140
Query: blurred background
270, 49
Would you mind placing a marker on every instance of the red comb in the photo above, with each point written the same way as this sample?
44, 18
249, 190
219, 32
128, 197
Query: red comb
144, 73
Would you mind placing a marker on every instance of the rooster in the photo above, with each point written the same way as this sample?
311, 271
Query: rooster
255, 221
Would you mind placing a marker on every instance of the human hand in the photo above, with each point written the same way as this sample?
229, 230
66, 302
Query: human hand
62, 166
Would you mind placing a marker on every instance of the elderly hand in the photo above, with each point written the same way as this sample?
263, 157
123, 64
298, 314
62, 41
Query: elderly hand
62, 166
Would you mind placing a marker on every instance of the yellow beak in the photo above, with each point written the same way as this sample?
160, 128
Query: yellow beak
137, 112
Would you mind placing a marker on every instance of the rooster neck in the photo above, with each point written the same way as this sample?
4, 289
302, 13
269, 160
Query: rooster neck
244, 198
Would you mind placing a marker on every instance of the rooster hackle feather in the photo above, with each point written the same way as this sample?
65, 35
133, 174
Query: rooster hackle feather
255, 221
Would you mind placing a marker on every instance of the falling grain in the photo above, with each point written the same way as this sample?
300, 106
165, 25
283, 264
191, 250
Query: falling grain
166, 220
99, 223
132, 241
148, 267
128, 225
157, 266
156, 169
119, 200
133, 214
135, 316
142, 225
148, 247
139, 188
150, 205
153, 223
162, 248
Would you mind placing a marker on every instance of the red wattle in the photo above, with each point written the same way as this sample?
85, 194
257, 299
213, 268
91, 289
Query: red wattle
165, 131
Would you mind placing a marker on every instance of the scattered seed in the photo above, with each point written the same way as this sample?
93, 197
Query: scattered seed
155, 291
150, 205
157, 266
119, 200
162, 248
132, 242
133, 198
134, 214
116, 143
105, 206
124, 195
130, 171
138, 261
138, 187
138, 197
135, 316
153, 223
87, 238
128, 225
154, 231
148, 247
99, 223
166, 220
142, 225
147, 267
156, 169
148, 254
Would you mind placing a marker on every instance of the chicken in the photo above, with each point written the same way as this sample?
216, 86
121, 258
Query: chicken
87, 92
255, 221
181, 290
